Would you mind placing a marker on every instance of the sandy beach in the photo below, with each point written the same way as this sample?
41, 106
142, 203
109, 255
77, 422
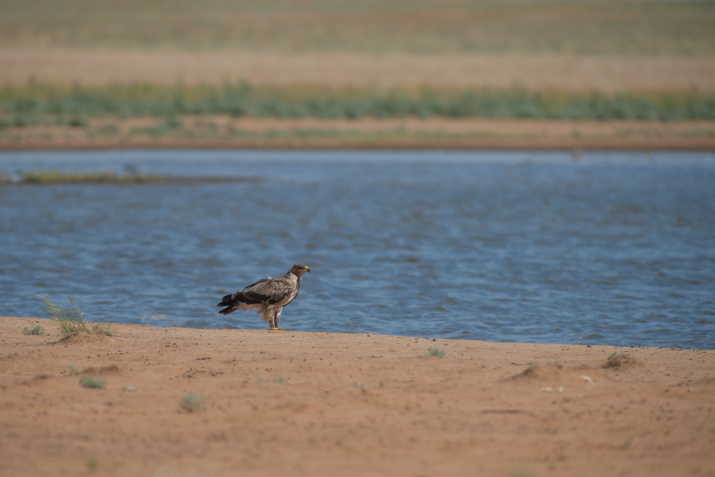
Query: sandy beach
565, 72
371, 133
297, 403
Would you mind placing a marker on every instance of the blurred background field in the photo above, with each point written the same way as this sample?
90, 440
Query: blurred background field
67, 63
420, 27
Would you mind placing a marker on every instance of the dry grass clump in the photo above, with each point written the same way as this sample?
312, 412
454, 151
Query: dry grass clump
621, 360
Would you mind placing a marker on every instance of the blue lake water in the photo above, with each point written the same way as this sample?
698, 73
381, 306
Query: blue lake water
609, 248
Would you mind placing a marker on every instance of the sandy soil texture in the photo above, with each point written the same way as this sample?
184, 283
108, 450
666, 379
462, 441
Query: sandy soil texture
296, 403
576, 73
408, 133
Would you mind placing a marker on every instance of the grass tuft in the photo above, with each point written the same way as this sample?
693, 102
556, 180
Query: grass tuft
434, 351
620, 360
92, 382
102, 329
92, 463
37, 330
71, 319
192, 402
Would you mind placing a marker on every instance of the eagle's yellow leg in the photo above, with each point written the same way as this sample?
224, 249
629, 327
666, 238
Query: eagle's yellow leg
273, 321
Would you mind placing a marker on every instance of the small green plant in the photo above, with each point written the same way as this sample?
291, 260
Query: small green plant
359, 385
73, 370
92, 382
618, 360
92, 463
192, 402
102, 329
520, 473
280, 379
37, 330
434, 351
71, 319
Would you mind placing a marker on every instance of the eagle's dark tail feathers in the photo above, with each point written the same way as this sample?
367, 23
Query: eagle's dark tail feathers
228, 310
227, 301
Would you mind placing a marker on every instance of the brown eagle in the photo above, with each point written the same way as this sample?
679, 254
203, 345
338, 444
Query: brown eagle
268, 296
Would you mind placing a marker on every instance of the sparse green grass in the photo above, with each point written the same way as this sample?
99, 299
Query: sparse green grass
60, 177
92, 382
434, 351
92, 463
71, 319
628, 442
37, 330
72, 369
192, 402
102, 329
520, 473
280, 379
38, 104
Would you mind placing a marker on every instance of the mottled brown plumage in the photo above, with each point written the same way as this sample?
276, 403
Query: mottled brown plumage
267, 296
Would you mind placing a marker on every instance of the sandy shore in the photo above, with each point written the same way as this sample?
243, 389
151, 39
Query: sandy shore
296, 403
206, 132
166, 66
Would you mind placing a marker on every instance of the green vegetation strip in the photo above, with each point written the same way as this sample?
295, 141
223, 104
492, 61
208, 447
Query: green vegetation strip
51, 176
71, 316
36, 104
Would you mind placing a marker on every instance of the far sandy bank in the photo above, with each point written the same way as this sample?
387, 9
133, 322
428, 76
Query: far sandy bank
225, 132
533, 71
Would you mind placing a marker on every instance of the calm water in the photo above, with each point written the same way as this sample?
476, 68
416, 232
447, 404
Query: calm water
613, 248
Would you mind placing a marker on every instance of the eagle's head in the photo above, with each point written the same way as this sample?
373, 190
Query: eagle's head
299, 269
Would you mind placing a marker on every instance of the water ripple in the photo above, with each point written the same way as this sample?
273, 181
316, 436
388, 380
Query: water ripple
613, 249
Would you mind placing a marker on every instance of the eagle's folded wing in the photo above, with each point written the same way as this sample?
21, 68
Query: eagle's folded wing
269, 291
